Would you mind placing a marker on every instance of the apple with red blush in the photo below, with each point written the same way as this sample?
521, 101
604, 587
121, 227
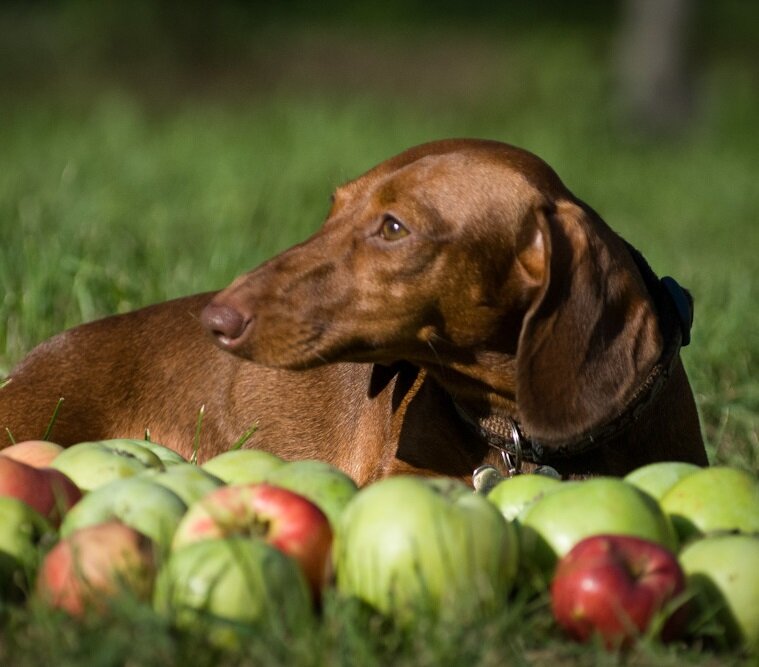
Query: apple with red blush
617, 587
94, 564
283, 518
37, 453
47, 490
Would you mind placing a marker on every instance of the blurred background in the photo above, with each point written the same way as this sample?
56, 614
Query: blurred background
150, 149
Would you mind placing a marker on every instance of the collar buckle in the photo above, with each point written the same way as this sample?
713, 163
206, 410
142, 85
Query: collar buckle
512, 458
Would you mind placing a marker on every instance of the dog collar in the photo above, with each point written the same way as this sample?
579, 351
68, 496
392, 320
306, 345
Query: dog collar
674, 306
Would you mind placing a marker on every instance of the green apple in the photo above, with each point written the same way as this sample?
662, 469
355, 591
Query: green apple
514, 494
512, 497
714, 499
552, 525
243, 466
167, 455
723, 576
188, 481
92, 464
410, 546
659, 477
324, 485
219, 586
148, 507
21, 530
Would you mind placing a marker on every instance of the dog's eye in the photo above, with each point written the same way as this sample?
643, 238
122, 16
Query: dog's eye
392, 229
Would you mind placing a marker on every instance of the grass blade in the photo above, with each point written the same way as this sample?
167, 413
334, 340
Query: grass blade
49, 428
243, 438
196, 439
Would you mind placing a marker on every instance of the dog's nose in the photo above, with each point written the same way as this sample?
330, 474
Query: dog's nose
225, 323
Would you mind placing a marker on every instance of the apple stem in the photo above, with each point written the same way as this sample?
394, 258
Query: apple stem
10, 436
258, 528
52, 419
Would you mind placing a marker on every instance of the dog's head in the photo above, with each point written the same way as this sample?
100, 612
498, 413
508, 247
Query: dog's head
470, 259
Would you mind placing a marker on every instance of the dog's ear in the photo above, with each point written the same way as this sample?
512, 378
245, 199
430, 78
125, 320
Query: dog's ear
590, 335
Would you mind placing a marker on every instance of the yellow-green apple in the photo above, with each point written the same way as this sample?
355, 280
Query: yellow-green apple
712, 499
243, 466
92, 464
513, 494
148, 507
331, 489
37, 453
616, 587
22, 529
188, 481
552, 525
47, 490
284, 519
411, 546
217, 587
659, 477
94, 564
167, 455
724, 578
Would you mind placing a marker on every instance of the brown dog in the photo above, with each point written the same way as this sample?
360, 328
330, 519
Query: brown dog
459, 306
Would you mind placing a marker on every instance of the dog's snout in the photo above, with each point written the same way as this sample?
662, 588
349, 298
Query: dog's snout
225, 323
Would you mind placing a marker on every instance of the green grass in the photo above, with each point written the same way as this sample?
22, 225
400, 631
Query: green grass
113, 197
130, 633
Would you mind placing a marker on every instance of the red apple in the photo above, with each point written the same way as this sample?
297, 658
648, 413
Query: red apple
284, 519
48, 491
37, 453
96, 563
615, 586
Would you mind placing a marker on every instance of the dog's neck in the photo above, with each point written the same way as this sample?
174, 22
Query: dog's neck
500, 428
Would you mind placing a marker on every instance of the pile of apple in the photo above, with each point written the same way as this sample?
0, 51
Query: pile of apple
670, 551
249, 540
221, 545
